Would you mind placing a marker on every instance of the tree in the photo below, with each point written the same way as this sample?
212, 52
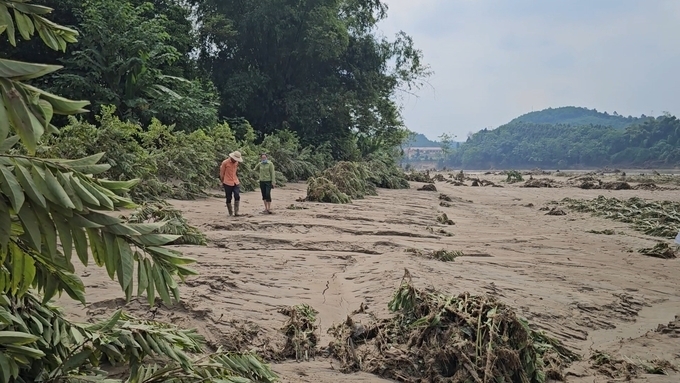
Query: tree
126, 59
314, 67
53, 209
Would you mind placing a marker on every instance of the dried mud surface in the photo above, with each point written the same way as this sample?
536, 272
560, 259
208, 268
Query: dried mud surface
589, 290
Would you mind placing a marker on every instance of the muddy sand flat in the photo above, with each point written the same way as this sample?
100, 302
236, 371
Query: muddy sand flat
591, 291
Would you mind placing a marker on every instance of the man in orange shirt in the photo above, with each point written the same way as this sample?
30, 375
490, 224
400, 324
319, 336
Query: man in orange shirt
230, 181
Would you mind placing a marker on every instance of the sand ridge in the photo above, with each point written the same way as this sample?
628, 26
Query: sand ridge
587, 289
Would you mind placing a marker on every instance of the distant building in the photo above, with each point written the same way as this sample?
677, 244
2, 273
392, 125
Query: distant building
417, 152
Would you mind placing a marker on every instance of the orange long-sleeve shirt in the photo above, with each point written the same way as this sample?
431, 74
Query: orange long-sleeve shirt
228, 172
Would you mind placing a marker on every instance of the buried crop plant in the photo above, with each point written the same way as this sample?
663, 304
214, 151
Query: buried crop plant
659, 219
434, 337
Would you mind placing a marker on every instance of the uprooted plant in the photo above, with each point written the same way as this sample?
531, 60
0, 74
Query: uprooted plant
659, 219
660, 250
300, 332
445, 220
626, 368
435, 337
440, 255
321, 189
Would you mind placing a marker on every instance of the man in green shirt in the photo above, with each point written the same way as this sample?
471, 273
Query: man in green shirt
265, 168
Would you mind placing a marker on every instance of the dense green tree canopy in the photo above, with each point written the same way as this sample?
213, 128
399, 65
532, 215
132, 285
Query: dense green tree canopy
315, 67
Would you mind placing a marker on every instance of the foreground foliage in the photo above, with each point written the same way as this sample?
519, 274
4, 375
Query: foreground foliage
173, 221
53, 210
659, 219
436, 337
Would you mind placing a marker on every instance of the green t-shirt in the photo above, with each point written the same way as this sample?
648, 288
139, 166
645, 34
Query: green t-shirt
266, 171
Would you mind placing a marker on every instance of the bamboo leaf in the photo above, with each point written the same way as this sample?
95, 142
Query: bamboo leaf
47, 229
27, 126
126, 265
142, 276
31, 226
10, 141
6, 19
80, 243
64, 181
151, 292
65, 237
30, 188
103, 199
60, 105
81, 221
156, 239
11, 188
57, 190
17, 267
5, 227
96, 246
112, 255
24, 25
161, 287
85, 195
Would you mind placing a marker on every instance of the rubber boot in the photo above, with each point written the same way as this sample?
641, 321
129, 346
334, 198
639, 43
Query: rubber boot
230, 209
236, 203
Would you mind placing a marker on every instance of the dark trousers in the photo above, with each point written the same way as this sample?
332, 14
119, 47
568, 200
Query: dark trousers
232, 190
266, 189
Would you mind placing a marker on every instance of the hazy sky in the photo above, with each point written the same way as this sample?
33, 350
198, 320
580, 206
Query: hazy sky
497, 59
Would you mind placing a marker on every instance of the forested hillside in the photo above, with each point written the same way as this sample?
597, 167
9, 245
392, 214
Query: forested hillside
651, 142
576, 116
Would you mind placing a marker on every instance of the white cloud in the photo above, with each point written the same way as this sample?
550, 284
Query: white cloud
497, 59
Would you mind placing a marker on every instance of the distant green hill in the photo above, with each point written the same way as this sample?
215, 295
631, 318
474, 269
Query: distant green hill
577, 116
573, 137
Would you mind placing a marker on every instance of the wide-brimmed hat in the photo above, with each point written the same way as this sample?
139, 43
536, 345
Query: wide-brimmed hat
236, 156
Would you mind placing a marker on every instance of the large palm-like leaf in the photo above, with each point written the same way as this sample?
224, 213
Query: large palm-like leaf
53, 209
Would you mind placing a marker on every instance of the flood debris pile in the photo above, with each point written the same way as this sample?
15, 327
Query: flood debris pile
301, 333
541, 183
351, 178
321, 189
655, 218
445, 220
434, 337
419, 177
427, 187
660, 250
627, 369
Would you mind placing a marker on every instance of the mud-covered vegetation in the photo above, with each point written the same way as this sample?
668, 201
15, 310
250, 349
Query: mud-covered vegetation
433, 336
